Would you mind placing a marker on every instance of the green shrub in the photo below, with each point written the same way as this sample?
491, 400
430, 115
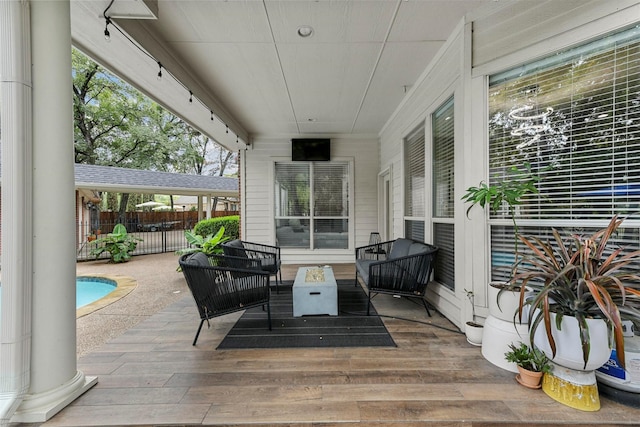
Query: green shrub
210, 226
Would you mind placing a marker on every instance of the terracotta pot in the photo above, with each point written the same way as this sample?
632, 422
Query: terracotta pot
530, 379
91, 237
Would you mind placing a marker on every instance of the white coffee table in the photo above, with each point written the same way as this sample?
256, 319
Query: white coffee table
315, 291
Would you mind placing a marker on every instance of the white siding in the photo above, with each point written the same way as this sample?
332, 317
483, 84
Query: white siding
499, 38
258, 210
441, 80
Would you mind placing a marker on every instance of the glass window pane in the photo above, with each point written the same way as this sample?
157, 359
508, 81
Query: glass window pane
577, 122
414, 230
293, 233
444, 271
292, 189
414, 173
312, 196
502, 244
331, 189
443, 174
331, 234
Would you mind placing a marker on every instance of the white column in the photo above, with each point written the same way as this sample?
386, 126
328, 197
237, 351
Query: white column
15, 89
55, 380
200, 207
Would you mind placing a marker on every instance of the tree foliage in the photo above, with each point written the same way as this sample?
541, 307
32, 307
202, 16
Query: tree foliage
115, 125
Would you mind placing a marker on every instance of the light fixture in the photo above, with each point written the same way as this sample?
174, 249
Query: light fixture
107, 35
305, 31
190, 97
211, 115
159, 71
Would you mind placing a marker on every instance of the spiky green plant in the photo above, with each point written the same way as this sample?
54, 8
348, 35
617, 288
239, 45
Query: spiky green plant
529, 358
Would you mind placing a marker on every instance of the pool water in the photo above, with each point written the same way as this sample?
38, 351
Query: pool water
90, 289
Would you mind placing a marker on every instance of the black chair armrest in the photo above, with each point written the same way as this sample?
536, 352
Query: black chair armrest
378, 248
221, 260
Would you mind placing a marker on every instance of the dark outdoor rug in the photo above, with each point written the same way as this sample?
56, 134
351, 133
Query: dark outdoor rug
351, 328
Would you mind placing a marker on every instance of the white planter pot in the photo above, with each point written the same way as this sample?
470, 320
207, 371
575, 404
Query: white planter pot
473, 331
497, 336
568, 345
507, 305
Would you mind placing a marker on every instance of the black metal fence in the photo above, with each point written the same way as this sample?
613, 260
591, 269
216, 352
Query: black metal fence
158, 233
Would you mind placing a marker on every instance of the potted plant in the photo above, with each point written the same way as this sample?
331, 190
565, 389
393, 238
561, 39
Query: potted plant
473, 330
581, 277
511, 191
531, 362
583, 288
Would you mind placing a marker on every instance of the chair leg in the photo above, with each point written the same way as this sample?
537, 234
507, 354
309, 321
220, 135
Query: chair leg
269, 314
424, 302
198, 333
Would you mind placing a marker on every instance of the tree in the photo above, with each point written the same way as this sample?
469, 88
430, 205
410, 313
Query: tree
115, 125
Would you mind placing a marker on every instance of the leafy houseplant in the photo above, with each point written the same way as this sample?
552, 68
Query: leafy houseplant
509, 191
119, 244
582, 277
519, 183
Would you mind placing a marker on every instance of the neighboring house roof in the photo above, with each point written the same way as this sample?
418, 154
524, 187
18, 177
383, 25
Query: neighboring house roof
109, 178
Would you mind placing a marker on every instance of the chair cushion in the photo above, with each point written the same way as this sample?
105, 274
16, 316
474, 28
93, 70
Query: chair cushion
238, 248
400, 248
362, 266
417, 248
199, 258
270, 265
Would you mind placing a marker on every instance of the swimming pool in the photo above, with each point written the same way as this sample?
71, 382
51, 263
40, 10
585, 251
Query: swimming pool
90, 289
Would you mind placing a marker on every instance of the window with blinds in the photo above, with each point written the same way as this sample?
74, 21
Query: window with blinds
414, 202
312, 204
443, 192
575, 117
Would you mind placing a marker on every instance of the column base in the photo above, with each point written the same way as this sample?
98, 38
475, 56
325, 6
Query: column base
37, 408
576, 389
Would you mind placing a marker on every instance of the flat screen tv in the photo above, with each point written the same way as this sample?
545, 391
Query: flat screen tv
311, 149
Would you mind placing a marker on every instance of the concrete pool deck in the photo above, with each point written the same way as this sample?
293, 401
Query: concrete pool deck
158, 285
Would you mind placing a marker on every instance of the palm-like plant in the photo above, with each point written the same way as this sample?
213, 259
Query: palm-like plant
211, 244
580, 277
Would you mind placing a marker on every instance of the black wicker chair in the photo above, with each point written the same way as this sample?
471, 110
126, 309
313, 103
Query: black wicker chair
269, 256
218, 288
406, 271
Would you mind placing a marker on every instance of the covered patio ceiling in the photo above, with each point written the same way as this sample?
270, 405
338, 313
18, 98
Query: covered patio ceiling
252, 72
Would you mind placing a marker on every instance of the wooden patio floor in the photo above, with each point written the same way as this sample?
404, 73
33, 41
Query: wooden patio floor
151, 375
